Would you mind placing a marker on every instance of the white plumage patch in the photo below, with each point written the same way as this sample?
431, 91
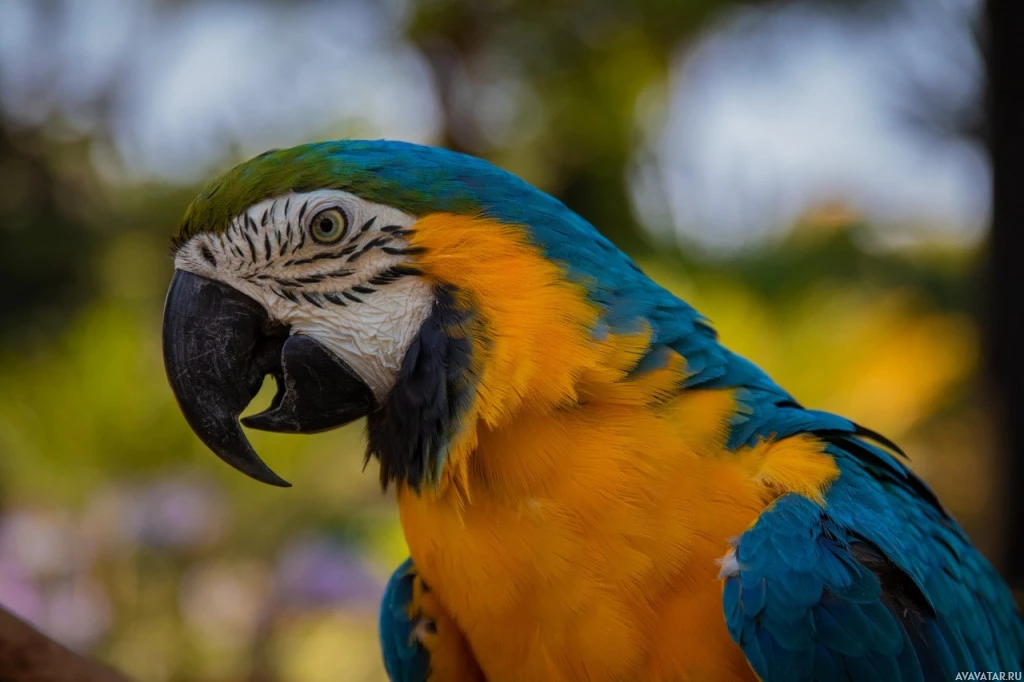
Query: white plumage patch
729, 565
355, 295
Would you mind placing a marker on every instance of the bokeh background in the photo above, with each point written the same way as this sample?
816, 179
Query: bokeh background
810, 174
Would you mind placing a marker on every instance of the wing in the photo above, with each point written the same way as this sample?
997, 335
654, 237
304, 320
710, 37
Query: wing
420, 640
405, 658
880, 584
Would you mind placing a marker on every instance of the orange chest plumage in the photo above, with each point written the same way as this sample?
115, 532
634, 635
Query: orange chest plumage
588, 546
583, 509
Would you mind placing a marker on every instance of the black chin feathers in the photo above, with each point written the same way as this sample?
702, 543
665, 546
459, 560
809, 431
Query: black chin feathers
412, 430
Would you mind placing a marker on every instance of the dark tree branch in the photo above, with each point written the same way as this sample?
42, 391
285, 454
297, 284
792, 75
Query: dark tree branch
27, 655
1005, 299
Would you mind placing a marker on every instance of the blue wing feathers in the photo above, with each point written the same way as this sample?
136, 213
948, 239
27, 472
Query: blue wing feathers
404, 658
878, 585
963, 618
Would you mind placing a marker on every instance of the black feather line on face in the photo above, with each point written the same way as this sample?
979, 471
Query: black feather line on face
412, 430
404, 270
208, 255
284, 239
286, 282
287, 293
252, 245
281, 237
322, 256
312, 298
368, 246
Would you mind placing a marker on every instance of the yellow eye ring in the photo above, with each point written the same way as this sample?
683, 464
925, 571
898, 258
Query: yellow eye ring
328, 226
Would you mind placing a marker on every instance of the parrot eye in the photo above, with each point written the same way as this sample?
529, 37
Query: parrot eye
328, 226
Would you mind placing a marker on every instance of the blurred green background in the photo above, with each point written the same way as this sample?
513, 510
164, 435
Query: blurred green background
809, 174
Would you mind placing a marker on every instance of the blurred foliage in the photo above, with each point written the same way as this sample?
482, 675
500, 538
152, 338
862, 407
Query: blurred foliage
121, 534
45, 240
576, 72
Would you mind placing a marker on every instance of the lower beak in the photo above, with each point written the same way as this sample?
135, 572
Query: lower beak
219, 344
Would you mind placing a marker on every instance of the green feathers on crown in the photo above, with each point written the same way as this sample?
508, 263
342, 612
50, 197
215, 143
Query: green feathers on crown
410, 177
270, 174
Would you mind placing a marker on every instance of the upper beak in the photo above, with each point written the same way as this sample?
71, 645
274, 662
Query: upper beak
218, 346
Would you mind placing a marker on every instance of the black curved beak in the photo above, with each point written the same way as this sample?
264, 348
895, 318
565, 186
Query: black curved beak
219, 344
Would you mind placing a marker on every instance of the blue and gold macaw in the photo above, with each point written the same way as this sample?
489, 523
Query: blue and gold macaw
591, 486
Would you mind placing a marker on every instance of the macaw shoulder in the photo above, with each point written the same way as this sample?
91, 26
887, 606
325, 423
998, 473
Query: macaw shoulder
876, 583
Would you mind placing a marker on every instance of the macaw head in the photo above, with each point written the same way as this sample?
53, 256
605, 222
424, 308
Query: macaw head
427, 290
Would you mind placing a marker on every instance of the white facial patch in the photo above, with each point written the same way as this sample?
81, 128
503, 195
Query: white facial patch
354, 295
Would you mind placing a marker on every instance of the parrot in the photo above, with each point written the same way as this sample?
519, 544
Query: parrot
590, 484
